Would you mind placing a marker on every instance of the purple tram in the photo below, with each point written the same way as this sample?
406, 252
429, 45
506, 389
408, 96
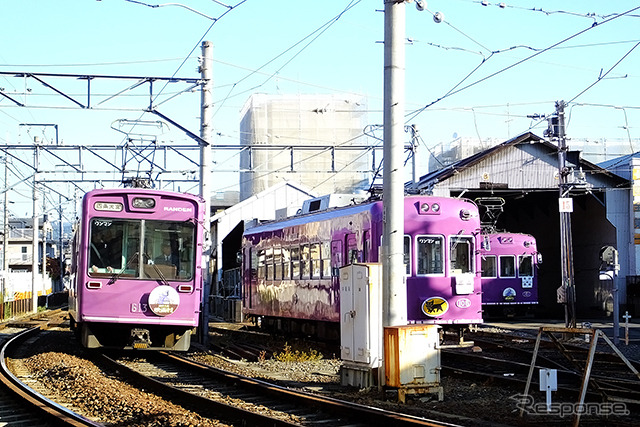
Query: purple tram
291, 266
136, 275
509, 271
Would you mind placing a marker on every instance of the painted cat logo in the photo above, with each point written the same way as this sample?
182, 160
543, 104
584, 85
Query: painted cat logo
435, 306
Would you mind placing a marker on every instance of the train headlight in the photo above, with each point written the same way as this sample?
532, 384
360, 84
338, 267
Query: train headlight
143, 203
465, 215
426, 208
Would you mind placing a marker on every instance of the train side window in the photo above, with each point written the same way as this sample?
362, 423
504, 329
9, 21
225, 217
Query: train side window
525, 266
407, 255
336, 257
286, 263
325, 257
277, 262
295, 262
430, 254
315, 267
489, 266
268, 253
305, 264
253, 256
262, 269
461, 260
507, 266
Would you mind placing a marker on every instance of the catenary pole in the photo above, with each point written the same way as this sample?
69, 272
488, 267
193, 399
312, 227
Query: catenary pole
566, 241
5, 238
34, 243
205, 178
394, 310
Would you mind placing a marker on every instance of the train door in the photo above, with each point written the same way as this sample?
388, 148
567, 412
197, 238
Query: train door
366, 246
336, 257
250, 276
336, 263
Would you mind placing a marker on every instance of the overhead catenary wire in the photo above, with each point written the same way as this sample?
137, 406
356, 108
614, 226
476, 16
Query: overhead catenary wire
414, 114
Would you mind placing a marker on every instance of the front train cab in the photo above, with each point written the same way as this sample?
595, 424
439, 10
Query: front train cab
138, 278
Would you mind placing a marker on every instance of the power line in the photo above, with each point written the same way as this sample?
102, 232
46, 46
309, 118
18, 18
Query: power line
456, 90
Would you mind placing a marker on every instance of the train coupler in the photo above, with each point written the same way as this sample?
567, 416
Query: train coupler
140, 338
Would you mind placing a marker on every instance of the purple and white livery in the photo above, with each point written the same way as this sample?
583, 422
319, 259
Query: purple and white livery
136, 270
291, 267
509, 270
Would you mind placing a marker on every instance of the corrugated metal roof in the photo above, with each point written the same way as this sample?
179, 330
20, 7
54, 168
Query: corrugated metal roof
524, 162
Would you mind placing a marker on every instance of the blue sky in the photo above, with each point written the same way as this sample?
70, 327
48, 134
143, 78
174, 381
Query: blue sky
291, 47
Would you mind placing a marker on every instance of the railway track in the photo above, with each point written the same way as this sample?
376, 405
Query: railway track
507, 358
247, 401
222, 397
20, 400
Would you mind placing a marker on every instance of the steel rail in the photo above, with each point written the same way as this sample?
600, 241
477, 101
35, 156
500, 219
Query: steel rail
48, 409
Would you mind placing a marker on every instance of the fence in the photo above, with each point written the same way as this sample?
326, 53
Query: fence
15, 308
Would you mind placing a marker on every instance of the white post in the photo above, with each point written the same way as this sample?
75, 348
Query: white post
548, 383
394, 290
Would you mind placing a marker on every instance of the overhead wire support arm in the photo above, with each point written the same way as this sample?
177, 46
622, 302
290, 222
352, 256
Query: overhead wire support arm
139, 81
18, 103
59, 92
192, 135
133, 86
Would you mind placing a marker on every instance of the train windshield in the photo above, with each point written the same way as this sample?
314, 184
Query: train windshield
141, 249
461, 253
525, 268
430, 254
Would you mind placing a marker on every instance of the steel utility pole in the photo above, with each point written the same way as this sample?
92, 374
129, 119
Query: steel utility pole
565, 208
205, 178
394, 310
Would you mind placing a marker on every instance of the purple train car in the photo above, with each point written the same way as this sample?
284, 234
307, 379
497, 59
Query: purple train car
291, 266
136, 269
509, 271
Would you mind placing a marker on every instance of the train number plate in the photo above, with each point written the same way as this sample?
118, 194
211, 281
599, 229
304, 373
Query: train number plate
139, 308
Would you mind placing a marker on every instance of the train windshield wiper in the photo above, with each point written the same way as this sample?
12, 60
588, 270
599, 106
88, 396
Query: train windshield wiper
116, 276
163, 279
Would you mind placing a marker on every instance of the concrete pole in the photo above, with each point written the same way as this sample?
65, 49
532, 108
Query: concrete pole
45, 225
61, 251
414, 155
5, 238
394, 311
206, 69
34, 244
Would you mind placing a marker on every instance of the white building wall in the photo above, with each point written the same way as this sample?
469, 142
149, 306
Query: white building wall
303, 120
